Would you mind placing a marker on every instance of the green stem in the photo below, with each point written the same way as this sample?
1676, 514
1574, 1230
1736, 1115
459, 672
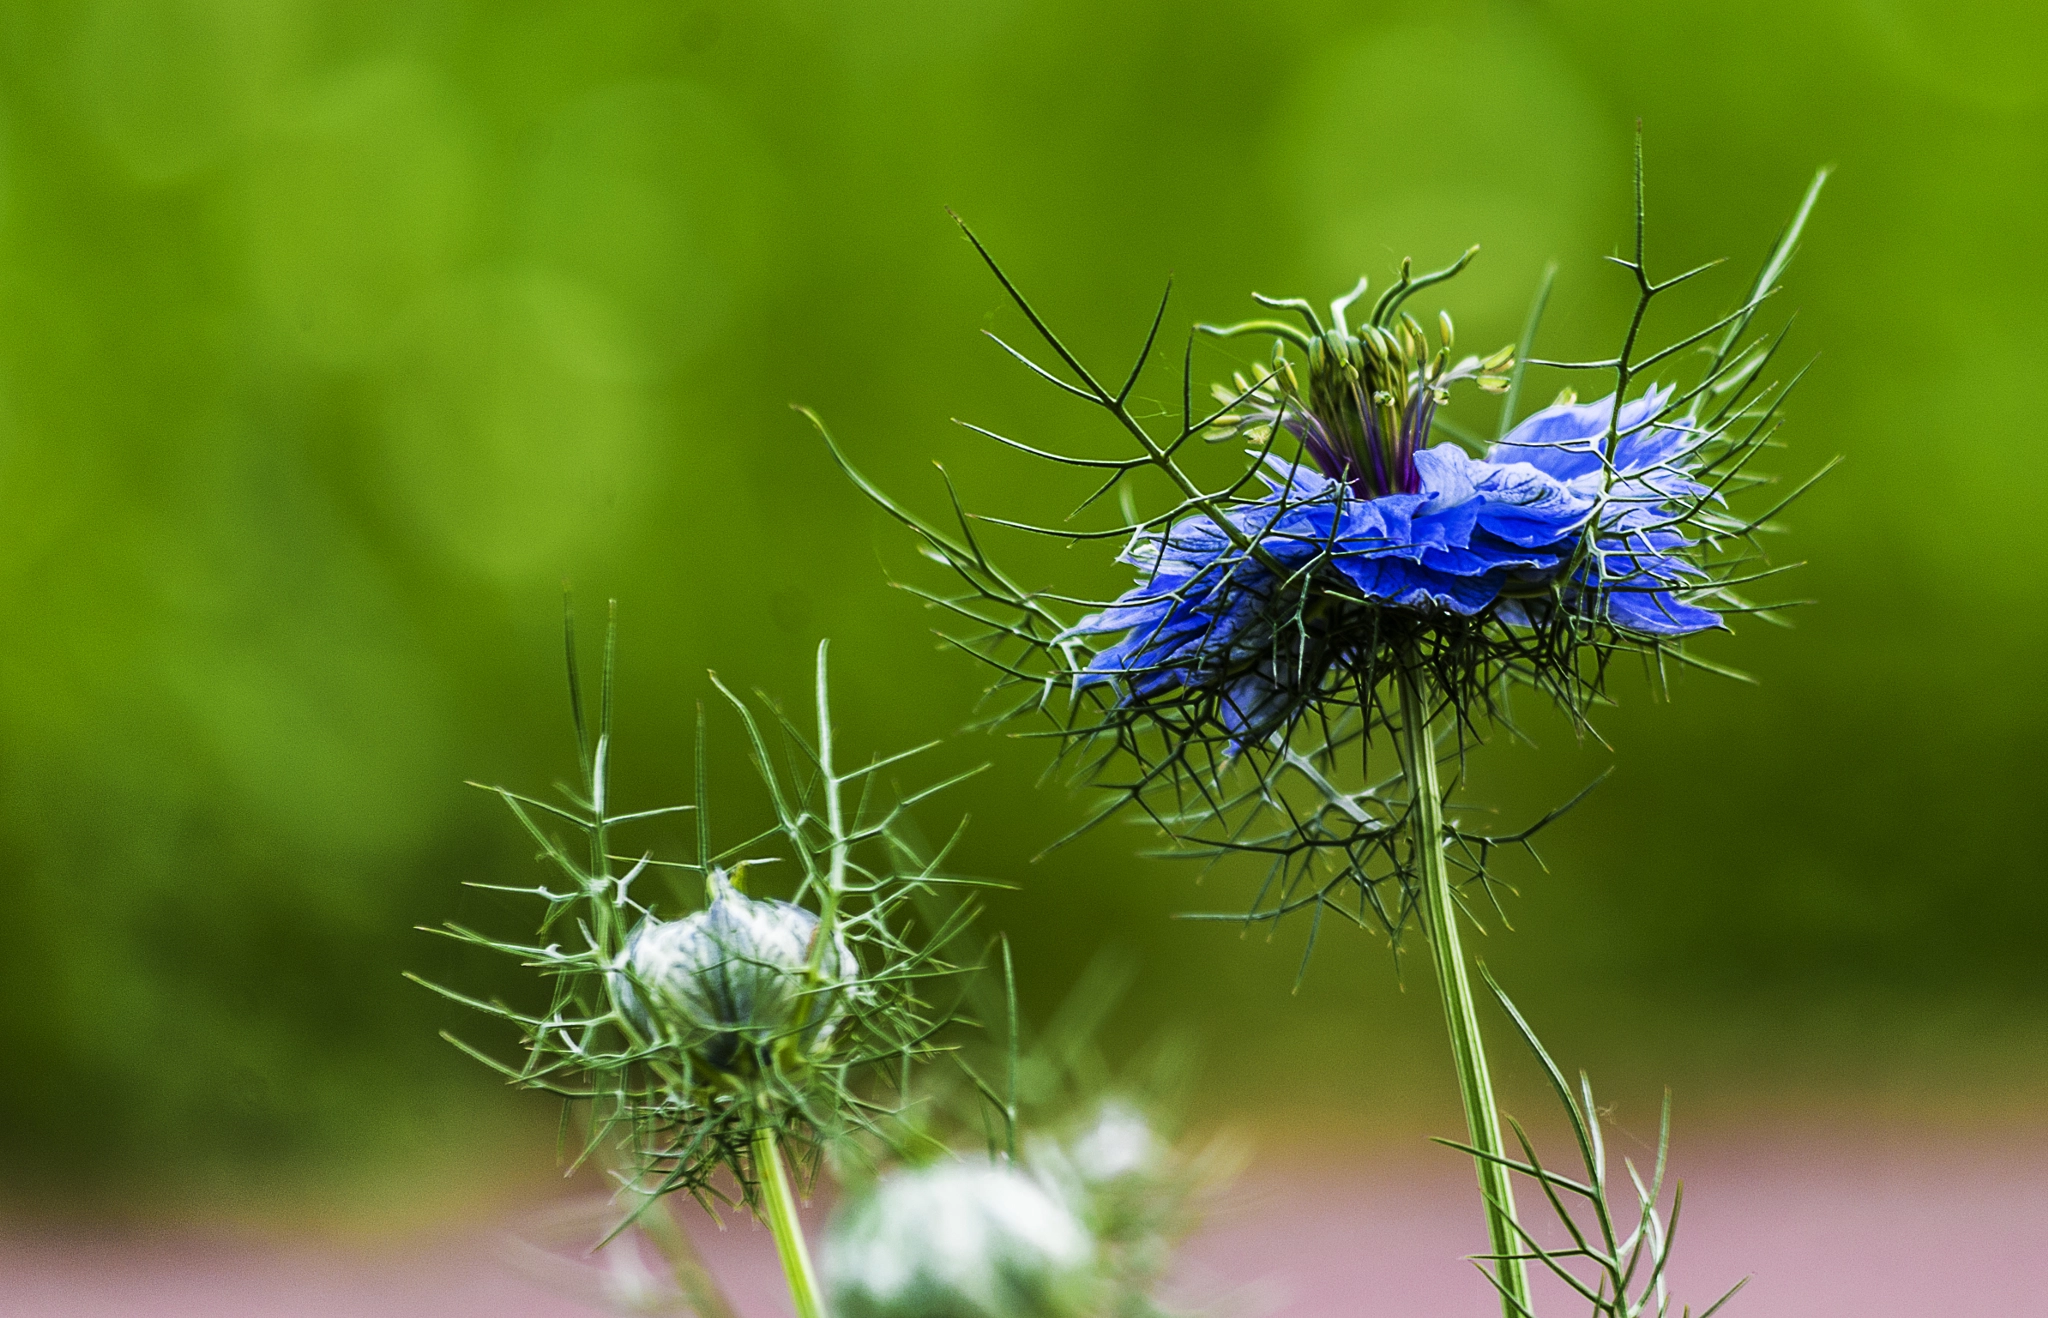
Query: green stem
780, 1202
835, 823
1440, 916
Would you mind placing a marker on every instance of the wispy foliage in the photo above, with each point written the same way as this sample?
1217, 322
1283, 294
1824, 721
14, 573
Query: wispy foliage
1612, 1253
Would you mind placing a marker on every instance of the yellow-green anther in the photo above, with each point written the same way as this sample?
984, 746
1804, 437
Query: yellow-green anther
1443, 320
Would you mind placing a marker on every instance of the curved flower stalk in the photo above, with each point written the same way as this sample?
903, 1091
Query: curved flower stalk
705, 1029
1356, 585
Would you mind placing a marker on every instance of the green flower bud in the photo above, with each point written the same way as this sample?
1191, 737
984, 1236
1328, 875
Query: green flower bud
1338, 349
731, 979
960, 1240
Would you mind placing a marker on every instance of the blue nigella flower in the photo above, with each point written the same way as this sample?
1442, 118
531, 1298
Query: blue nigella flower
1547, 519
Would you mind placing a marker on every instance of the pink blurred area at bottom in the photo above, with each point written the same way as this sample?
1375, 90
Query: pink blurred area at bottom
1827, 1226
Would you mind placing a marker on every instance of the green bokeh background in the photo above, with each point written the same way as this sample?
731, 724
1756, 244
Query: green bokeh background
335, 337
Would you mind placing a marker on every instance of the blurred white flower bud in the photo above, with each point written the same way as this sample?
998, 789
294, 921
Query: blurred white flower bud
960, 1240
1120, 1143
1102, 1163
730, 975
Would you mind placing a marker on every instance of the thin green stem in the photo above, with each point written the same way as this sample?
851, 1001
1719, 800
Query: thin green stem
825, 939
779, 1202
1440, 915
835, 820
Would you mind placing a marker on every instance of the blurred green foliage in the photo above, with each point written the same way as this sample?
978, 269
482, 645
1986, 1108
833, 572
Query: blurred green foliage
335, 337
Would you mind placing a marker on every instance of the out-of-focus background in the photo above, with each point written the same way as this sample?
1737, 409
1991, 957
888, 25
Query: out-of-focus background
336, 338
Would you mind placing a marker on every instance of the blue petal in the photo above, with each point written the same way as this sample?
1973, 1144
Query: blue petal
1391, 580
1563, 440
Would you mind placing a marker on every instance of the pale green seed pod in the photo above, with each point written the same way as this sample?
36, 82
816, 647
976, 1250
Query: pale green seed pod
731, 979
960, 1240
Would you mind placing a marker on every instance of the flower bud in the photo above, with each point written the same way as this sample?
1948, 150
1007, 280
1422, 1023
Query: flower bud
1116, 1172
1338, 349
1120, 1143
730, 978
960, 1240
